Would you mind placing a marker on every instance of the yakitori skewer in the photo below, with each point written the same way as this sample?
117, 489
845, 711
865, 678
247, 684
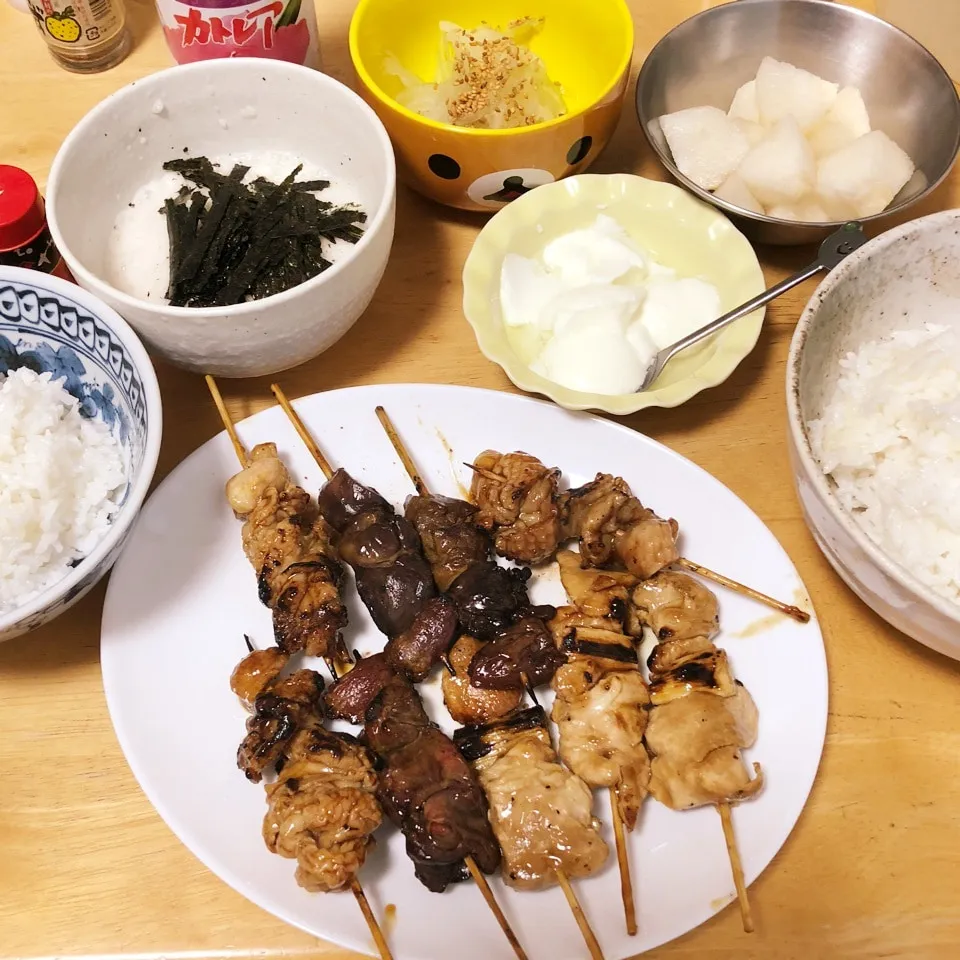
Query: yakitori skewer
582, 922
532, 521
355, 886
470, 862
794, 612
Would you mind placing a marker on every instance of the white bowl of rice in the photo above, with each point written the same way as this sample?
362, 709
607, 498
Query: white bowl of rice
80, 425
873, 397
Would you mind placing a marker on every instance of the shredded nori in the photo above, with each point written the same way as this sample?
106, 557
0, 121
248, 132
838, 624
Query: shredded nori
232, 241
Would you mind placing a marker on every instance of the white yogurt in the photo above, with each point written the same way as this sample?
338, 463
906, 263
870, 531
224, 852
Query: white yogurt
600, 307
138, 253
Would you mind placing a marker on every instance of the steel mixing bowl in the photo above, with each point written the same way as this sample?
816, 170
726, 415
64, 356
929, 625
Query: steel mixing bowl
907, 92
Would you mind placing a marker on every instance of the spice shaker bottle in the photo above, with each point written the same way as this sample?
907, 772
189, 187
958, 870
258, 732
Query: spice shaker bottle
83, 36
25, 239
210, 29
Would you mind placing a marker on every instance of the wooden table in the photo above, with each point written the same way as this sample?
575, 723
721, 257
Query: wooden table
88, 869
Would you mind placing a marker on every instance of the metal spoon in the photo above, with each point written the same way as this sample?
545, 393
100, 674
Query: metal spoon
837, 246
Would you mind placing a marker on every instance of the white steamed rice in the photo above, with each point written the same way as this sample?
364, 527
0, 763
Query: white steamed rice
59, 474
890, 439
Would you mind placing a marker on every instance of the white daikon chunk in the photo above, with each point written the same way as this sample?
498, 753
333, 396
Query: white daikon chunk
844, 122
864, 176
806, 210
780, 169
744, 105
784, 90
752, 131
706, 144
735, 191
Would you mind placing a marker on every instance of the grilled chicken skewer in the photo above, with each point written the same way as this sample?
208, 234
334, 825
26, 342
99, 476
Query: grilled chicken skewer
350, 515
324, 779
541, 839
600, 712
519, 501
700, 717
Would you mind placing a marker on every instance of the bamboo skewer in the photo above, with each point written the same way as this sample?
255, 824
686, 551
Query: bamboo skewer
355, 888
626, 881
327, 471
746, 914
582, 922
801, 616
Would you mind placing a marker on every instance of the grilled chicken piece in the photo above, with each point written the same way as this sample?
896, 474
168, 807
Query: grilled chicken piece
489, 597
601, 708
451, 538
322, 810
517, 500
615, 527
393, 577
675, 607
596, 593
700, 721
254, 672
523, 655
288, 545
542, 814
280, 710
428, 790
416, 651
466, 703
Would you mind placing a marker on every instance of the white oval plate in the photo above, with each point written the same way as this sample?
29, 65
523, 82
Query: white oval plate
182, 596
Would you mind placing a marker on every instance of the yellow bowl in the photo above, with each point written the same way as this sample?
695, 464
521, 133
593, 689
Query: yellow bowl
680, 231
587, 48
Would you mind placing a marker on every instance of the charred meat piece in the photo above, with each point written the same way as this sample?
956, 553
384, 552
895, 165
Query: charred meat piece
342, 499
523, 654
601, 708
322, 810
393, 577
288, 545
488, 597
280, 710
701, 719
255, 672
542, 814
469, 704
428, 790
596, 593
613, 526
350, 697
451, 537
675, 607
416, 651
516, 496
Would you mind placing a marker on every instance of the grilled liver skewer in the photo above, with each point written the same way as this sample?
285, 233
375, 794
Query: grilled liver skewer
286, 726
514, 755
471, 863
612, 525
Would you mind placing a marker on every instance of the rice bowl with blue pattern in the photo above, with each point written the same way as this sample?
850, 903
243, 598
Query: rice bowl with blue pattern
80, 427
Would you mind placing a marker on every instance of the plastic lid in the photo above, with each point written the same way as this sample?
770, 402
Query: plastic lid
21, 209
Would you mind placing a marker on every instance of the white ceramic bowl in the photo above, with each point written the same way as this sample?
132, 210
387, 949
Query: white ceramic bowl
219, 108
900, 280
55, 327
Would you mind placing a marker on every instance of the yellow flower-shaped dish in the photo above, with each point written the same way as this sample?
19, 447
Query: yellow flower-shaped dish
679, 231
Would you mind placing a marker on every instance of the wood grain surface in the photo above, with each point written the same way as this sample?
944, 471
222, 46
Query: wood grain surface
88, 869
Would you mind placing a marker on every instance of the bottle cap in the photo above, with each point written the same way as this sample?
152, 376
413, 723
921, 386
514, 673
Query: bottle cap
21, 208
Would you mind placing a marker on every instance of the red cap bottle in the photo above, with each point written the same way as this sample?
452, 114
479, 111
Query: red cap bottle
25, 239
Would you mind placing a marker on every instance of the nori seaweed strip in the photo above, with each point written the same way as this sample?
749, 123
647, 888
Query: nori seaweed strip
232, 240
269, 214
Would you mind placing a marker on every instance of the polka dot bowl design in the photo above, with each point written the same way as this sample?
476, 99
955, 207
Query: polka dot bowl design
587, 49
